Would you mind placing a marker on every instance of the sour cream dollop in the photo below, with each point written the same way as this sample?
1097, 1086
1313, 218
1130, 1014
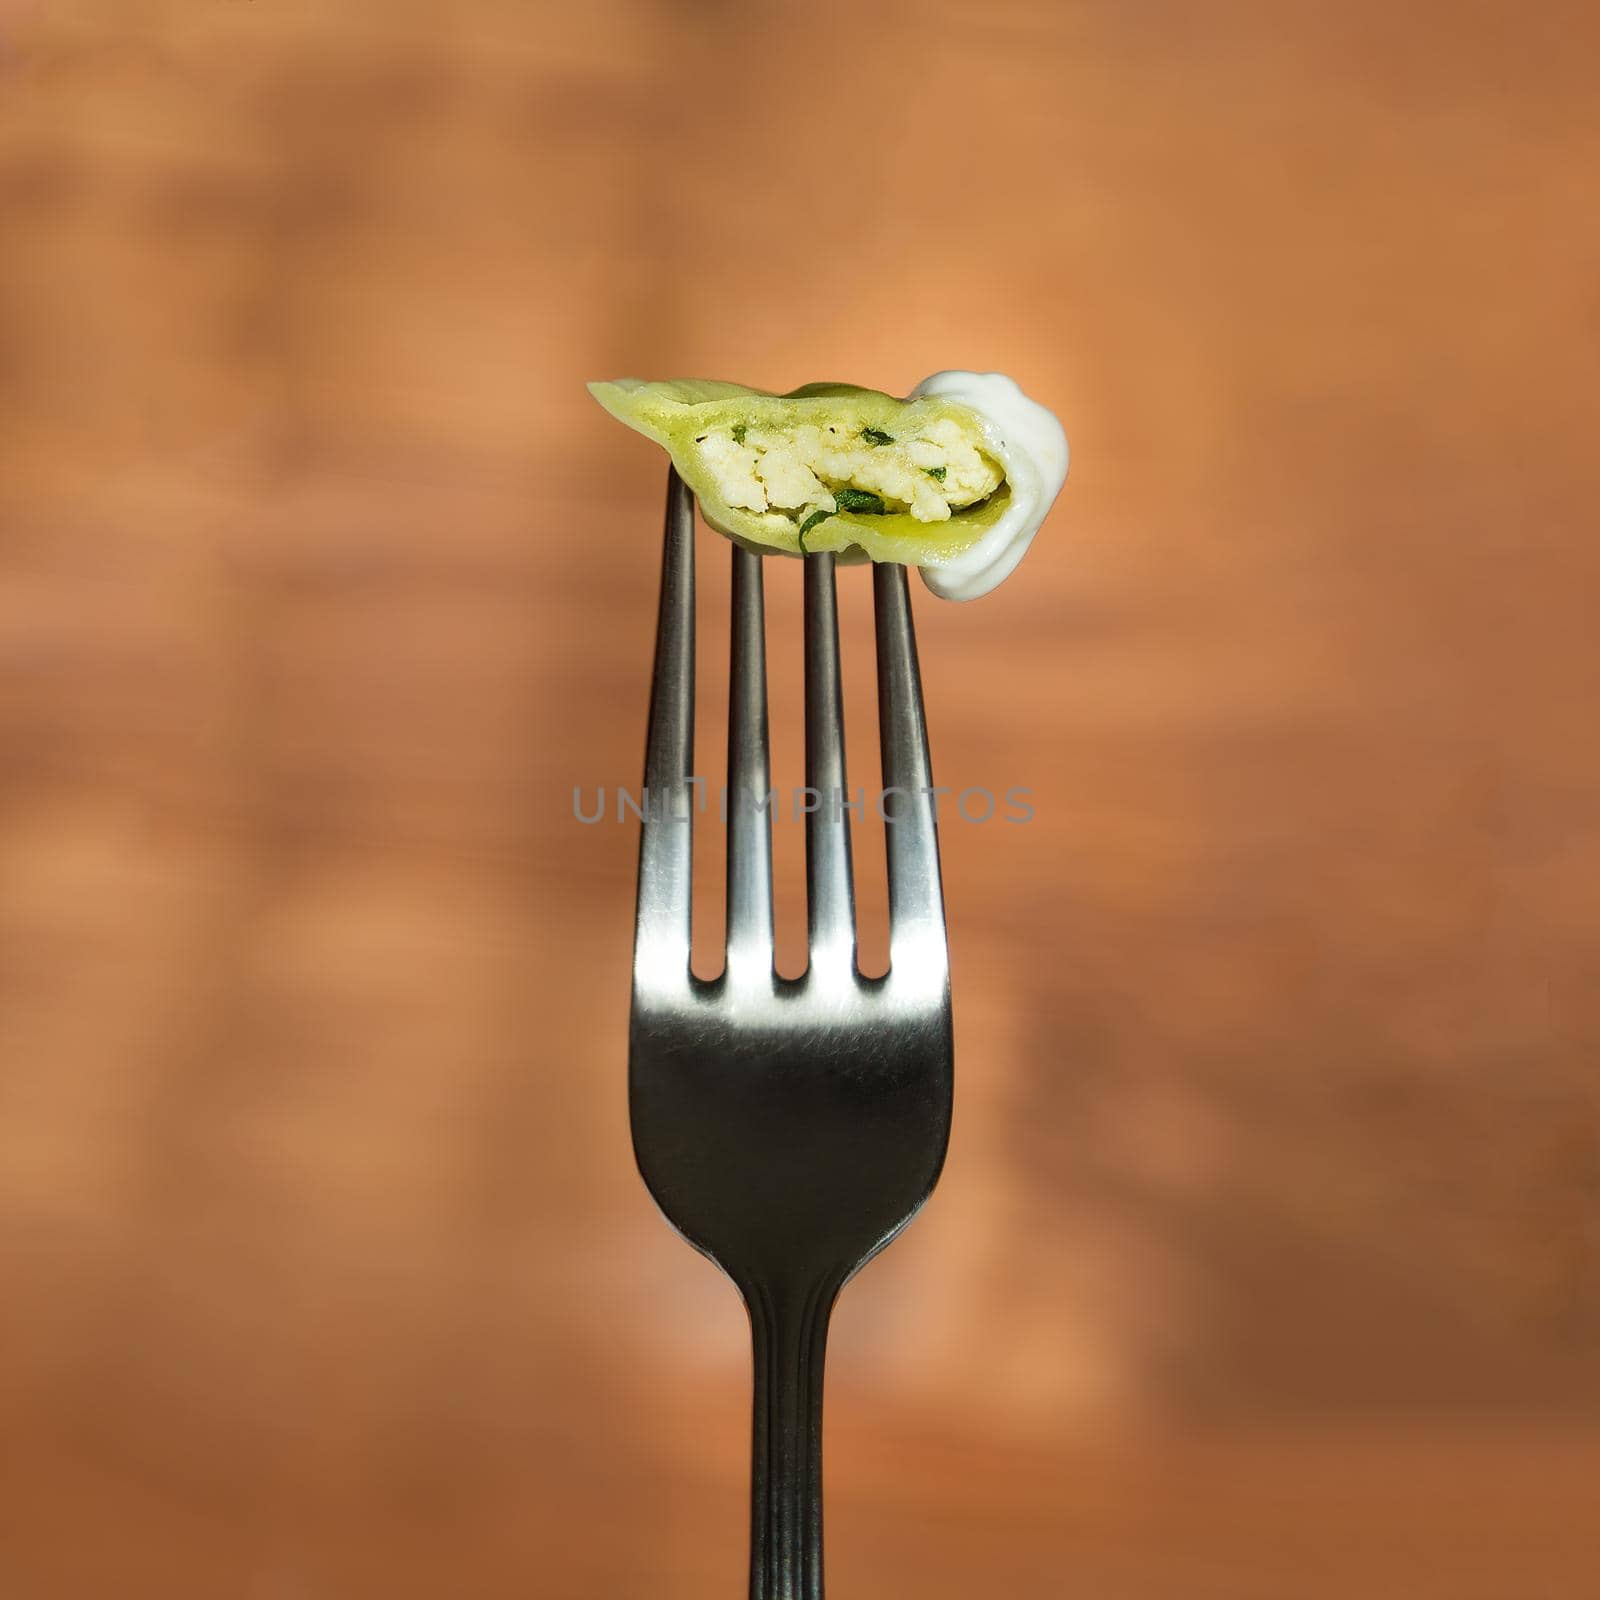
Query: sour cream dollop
1030, 443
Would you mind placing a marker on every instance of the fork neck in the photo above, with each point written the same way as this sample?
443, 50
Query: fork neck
789, 1328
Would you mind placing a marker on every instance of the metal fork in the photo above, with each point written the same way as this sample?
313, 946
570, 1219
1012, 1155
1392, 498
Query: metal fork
788, 1128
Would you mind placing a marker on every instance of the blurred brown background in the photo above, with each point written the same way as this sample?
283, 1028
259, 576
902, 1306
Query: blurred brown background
1265, 1264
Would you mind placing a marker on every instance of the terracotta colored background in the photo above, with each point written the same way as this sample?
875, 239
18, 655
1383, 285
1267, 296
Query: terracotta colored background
1265, 1265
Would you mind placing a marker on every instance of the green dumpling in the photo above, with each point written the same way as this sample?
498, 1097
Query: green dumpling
827, 467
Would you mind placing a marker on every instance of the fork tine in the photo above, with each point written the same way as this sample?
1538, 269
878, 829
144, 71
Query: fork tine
830, 897
749, 825
661, 942
917, 941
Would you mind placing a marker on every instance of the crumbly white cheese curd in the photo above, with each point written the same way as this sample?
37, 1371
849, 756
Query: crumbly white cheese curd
812, 468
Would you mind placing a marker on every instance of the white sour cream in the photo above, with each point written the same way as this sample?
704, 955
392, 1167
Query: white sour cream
1031, 445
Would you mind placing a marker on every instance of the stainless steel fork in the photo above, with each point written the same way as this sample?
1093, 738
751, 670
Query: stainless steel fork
788, 1128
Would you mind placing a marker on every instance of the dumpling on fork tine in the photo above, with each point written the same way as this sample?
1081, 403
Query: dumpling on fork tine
955, 478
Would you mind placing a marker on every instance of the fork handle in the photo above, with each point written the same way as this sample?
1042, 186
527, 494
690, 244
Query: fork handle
789, 1328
